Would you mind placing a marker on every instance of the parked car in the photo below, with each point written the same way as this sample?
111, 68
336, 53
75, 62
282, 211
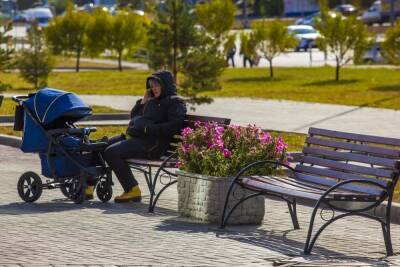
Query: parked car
380, 12
312, 19
306, 35
346, 9
373, 54
42, 15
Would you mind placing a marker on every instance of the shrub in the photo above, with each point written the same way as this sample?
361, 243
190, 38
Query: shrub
216, 151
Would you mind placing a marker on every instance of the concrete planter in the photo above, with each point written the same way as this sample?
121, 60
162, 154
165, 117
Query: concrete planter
202, 198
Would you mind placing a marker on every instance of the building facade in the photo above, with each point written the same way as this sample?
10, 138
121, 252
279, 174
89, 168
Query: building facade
300, 8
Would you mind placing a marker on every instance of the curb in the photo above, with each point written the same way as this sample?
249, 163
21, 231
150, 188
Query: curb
380, 211
9, 140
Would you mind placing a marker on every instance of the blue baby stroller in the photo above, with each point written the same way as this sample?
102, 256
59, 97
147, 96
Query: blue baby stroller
69, 159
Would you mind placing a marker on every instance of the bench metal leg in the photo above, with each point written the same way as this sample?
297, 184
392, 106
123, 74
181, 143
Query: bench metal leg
387, 239
307, 248
153, 203
293, 213
386, 229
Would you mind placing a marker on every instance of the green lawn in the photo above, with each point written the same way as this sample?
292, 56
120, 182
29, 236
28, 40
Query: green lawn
8, 108
361, 87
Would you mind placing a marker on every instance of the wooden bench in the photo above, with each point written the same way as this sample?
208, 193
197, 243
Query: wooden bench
155, 170
338, 171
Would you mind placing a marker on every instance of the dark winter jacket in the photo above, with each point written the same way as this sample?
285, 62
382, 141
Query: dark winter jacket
160, 118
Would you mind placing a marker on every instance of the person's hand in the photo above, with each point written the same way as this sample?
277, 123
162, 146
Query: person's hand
147, 97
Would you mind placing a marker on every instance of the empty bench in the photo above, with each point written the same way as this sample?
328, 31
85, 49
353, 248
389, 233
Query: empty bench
155, 171
334, 170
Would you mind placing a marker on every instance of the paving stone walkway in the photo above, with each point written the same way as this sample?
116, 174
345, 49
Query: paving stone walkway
54, 231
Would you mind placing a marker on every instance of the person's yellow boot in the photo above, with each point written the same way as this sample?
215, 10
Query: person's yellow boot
133, 195
89, 192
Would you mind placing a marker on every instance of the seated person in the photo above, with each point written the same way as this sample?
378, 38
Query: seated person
154, 120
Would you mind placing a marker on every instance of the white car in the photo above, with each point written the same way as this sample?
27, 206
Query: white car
42, 15
306, 35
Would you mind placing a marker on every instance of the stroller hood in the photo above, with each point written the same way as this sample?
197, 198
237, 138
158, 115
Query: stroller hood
51, 104
51, 109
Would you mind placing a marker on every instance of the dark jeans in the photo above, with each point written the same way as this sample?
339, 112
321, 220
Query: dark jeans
117, 152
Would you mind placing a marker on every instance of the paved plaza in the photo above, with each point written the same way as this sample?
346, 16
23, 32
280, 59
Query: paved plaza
55, 231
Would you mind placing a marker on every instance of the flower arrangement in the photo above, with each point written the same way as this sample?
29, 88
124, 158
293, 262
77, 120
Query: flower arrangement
213, 150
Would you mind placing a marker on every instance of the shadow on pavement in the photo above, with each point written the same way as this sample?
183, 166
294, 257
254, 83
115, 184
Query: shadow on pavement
63, 205
277, 241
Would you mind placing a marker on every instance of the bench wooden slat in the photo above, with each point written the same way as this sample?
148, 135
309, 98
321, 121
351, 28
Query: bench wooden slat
356, 137
346, 167
391, 163
355, 147
329, 182
294, 189
339, 175
219, 120
260, 186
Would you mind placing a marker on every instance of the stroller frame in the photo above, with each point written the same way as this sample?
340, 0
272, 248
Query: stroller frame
72, 187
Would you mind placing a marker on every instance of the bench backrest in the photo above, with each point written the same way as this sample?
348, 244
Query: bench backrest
331, 156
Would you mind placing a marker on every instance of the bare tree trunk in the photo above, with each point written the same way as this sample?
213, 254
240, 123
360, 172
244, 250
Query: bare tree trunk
271, 69
337, 70
119, 60
78, 57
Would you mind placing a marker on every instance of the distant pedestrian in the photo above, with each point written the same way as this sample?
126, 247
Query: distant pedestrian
231, 56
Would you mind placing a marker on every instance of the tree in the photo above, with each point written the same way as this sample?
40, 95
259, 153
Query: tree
66, 34
273, 40
171, 34
202, 68
97, 30
345, 38
217, 17
124, 31
391, 45
5, 53
177, 41
35, 63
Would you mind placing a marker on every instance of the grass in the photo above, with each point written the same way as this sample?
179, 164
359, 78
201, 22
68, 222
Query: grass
8, 108
378, 87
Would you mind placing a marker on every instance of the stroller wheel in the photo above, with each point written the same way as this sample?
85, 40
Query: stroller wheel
30, 187
104, 191
65, 188
77, 190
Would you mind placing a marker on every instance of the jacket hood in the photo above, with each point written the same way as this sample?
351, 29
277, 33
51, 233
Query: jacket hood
166, 79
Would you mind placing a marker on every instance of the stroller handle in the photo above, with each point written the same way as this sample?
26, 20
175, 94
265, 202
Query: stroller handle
19, 98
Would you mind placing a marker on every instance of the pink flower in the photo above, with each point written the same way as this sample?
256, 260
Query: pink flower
265, 138
219, 130
220, 144
187, 131
280, 145
178, 164
227, 153
197, 124
185, 148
